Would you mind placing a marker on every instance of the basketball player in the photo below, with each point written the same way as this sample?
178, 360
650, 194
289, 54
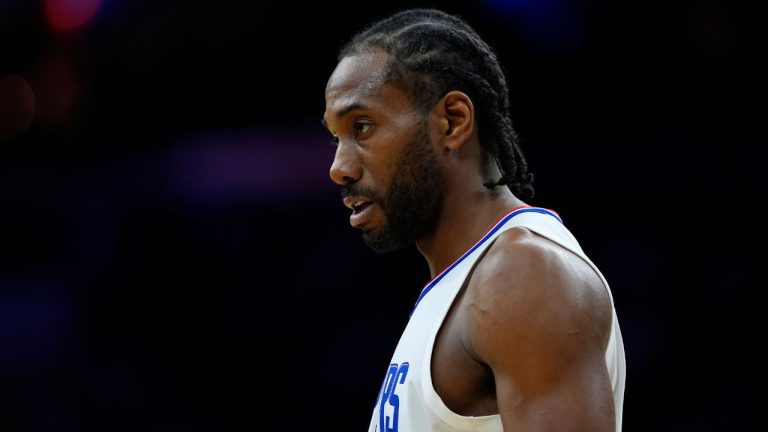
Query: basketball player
517, 330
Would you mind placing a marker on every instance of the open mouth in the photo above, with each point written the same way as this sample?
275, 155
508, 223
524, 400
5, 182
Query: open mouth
359, 206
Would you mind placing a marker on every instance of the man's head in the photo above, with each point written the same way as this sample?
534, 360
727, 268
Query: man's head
380, 104
432, 53
384, 156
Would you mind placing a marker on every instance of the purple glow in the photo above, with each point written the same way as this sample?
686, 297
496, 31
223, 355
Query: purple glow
273, 166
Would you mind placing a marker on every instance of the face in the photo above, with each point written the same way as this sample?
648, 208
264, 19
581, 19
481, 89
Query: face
385, 161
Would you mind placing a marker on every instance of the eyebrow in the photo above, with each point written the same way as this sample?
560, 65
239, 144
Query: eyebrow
344, 111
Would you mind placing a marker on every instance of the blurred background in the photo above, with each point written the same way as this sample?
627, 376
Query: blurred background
174, 257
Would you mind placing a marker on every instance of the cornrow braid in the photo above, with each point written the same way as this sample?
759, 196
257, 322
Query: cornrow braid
432, 53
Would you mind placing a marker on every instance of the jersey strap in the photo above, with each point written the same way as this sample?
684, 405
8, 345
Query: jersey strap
516, 211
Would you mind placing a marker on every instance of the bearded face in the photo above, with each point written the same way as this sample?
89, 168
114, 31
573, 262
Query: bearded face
413, 202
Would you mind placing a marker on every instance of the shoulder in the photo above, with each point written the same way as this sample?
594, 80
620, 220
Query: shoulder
522, 265
534, 294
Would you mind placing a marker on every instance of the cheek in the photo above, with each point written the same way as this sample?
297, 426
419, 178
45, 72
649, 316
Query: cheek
379, 164
382, 155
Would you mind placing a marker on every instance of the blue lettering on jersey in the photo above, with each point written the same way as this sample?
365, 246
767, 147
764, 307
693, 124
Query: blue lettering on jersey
388, 397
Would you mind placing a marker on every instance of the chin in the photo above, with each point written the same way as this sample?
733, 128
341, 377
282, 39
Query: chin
381, 241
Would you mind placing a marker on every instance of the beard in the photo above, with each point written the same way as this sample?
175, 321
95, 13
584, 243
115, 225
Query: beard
414, 201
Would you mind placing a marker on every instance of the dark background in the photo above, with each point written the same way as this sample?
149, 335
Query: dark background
174, 257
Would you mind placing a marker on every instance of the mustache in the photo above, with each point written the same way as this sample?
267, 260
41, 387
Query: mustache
354, 190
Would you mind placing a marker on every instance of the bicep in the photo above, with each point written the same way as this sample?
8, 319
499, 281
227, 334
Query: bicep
555, 395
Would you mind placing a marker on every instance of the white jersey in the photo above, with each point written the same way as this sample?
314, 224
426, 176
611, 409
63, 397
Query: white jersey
407, 401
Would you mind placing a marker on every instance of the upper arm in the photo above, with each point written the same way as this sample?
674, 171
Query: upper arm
540, 319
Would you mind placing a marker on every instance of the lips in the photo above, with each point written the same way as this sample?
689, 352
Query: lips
361, 209
356, 202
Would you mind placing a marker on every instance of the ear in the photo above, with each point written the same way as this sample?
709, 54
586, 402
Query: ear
456, 116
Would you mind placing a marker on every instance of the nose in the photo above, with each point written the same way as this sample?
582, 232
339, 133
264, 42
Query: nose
345, 168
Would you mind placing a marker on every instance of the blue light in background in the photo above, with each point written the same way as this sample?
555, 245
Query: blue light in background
36, 322
552, 25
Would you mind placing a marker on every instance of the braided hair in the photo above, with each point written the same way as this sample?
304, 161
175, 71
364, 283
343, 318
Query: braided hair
432, 53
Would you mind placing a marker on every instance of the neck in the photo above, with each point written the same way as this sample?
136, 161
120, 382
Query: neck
465, 219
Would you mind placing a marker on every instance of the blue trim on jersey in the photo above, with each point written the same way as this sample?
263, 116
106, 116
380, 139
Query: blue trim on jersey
498, 226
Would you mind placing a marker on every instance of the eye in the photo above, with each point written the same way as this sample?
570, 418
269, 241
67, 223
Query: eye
361, 127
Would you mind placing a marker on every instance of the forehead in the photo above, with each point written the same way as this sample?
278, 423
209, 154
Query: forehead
361, 80
363, 72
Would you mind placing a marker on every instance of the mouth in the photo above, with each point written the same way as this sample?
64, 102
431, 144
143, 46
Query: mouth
359, 205
361, 210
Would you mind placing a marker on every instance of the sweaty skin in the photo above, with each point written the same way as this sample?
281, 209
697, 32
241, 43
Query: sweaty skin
526, 337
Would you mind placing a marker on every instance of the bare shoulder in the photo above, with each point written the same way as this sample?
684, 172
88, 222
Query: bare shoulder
532, 294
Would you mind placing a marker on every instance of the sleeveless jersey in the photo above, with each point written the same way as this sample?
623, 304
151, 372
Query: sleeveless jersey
407, 401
